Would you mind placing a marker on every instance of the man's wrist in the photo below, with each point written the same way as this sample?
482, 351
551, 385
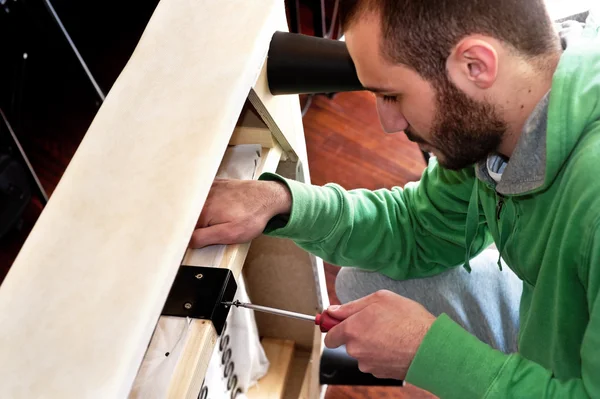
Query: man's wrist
420, 334
281, 198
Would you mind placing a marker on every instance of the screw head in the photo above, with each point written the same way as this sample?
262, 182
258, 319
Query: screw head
187, 305
199, 276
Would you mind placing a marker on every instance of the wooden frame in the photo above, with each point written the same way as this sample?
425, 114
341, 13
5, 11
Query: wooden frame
280, 353
80, 303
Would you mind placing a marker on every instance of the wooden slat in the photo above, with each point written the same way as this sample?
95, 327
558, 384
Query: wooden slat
252, 135
80, 303
279, 105
300, 364
250, 129
311, 387
269, 160
280, 354
281, 114
188, 376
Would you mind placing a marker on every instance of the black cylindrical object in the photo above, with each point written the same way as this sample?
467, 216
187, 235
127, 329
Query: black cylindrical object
301, 64
338, 368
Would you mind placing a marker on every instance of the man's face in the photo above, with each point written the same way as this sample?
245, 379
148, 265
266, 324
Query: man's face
443, 120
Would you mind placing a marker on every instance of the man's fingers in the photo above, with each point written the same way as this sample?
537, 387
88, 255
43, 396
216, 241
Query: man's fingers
348, 309
336, 337
203, 220
207, 211
339, 335
217, 234
342, 333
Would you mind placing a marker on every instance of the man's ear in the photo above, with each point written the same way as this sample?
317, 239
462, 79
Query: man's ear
473, 61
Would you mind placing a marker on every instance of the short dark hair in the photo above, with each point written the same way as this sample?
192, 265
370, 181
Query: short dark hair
422, 33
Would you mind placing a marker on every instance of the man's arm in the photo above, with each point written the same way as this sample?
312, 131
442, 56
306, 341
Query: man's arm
451, 357
394, 337
403, 233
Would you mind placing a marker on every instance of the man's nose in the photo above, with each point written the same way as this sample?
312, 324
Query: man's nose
390, 117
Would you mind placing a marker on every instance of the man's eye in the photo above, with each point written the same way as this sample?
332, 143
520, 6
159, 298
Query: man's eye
390, 99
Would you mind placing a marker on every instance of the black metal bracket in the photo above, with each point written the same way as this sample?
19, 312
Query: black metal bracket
199, 292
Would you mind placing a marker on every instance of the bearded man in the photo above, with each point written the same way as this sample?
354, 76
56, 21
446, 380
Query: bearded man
512, 114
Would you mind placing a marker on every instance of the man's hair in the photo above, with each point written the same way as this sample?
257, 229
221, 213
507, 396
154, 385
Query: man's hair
422, 33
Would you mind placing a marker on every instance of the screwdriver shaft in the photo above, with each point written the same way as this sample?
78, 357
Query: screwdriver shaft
265, 309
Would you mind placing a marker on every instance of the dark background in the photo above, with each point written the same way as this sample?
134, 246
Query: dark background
46, 95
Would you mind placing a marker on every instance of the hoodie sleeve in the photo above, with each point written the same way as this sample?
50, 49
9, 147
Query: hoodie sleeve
451, 363
402, 233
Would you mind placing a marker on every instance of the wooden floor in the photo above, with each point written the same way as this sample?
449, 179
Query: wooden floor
346, 145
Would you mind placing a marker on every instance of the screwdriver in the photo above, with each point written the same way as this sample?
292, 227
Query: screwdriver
323, 320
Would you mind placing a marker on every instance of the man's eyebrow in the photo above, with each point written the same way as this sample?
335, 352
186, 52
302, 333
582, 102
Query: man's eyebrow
380, 89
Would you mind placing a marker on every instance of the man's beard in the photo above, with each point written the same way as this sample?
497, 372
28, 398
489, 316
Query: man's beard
465, 131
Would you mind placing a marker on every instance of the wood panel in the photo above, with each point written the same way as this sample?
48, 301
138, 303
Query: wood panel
80, 303
278, 274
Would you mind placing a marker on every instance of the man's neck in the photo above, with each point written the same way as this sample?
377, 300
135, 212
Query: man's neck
532, 84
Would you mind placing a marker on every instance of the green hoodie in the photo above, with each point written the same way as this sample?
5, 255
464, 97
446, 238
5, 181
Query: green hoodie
546, 223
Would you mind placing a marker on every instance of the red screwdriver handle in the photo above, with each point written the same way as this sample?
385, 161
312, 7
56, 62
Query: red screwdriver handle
325, 321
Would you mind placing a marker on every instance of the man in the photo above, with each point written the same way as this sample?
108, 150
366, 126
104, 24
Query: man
514, 122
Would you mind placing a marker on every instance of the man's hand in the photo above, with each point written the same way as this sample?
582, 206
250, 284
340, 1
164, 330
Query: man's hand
237, 211
382, 331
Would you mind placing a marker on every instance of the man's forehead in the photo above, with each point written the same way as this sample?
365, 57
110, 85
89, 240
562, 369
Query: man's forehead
374, 71
363, 42
364, 35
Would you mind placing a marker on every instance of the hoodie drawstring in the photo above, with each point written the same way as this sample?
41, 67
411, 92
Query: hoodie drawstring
503, 238
499, 206
472, 224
